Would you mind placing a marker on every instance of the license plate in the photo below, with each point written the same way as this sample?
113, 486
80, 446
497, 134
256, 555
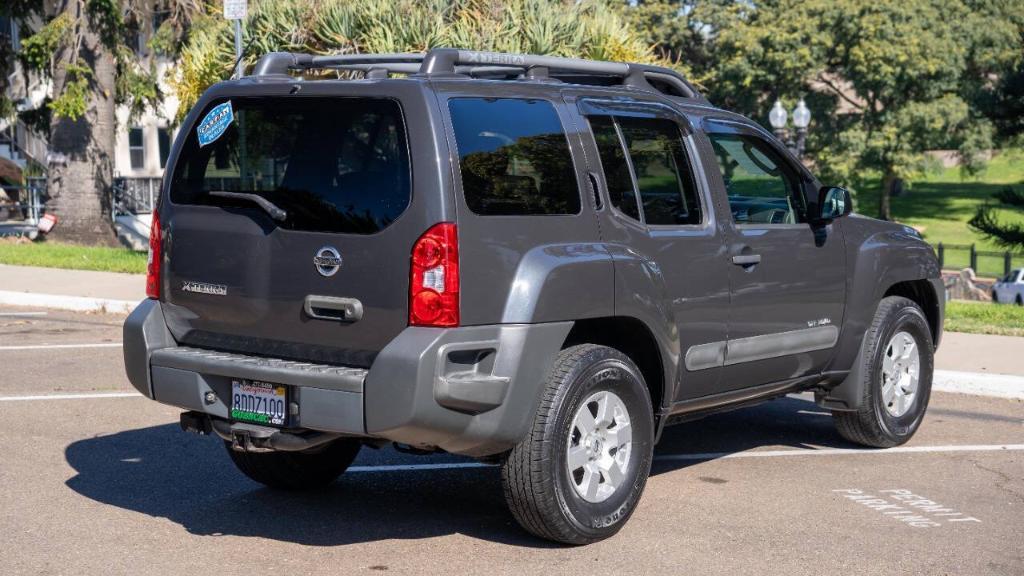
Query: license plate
258, 402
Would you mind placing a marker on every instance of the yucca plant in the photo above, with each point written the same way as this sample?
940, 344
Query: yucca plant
584, 28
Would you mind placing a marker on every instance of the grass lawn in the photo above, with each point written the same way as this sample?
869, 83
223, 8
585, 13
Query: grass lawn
940, 204
56, 255
984, 318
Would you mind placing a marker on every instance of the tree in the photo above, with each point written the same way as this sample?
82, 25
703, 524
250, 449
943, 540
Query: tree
83, 48
1006, 234
887, 79
587, 28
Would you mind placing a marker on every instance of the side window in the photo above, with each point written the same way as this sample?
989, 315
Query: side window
663, 175
760, 187
664, 179
616, 169
514, 157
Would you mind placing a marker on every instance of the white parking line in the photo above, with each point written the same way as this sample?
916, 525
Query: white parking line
840, 451
71, 396
23, 313
719, 455
60, 346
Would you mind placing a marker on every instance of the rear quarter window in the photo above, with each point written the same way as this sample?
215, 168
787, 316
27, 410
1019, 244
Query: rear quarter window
513, 157
333, 164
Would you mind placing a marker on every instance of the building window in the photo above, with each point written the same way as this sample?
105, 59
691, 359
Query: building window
136, 148
164, 139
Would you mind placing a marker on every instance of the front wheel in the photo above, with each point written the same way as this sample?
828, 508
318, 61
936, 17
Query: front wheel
578, 474
1020, 300
897, 369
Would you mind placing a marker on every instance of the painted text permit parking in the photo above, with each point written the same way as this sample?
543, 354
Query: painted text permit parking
907, 507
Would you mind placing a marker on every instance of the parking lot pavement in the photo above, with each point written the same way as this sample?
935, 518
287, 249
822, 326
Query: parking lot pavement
110, 485
53, 351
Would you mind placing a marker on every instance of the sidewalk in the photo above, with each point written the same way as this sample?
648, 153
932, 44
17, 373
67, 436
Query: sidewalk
981, 353
70, 289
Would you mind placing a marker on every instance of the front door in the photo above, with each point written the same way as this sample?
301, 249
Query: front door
787, 277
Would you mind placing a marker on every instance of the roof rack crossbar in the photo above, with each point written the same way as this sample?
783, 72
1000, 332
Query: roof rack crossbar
444, 60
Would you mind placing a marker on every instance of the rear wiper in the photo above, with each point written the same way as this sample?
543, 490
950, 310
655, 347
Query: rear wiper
269, 207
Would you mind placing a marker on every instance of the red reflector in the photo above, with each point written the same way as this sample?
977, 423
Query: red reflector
155, 257
434, 278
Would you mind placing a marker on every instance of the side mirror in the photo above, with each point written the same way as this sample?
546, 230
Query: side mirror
833, 202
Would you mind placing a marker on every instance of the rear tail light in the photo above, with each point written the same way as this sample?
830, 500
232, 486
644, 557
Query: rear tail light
155, 257
434, 278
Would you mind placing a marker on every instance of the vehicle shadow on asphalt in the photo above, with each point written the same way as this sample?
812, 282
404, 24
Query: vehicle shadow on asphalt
162, 472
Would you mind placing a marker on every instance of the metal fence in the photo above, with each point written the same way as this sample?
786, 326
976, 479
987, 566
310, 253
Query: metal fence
134, 195
30, 201
986, 263
128, 196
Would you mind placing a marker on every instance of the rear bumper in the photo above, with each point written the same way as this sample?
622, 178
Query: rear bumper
472, 390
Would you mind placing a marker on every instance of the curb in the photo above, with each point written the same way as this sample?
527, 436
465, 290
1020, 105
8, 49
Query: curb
76, 303
979, 384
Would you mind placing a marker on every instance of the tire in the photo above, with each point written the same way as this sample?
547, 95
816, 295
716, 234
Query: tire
880, 422
548, 499
297, 470
1020, 300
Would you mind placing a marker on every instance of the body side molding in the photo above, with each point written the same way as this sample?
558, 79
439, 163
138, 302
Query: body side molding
741, 350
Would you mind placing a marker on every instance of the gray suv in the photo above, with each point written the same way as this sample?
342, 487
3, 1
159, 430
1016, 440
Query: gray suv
538, 262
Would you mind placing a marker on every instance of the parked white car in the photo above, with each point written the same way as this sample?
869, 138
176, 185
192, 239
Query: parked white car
1010, 288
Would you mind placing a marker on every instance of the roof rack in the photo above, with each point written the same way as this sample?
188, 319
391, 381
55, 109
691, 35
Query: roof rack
441, 62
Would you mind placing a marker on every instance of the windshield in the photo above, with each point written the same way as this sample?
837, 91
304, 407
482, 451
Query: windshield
332, 164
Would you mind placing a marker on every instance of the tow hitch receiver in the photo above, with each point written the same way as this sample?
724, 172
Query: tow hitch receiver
196, 423
245, 437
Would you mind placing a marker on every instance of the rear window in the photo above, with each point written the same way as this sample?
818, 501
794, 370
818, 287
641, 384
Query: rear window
514, 157
333, 164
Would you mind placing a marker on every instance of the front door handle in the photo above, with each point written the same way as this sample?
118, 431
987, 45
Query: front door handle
746, 259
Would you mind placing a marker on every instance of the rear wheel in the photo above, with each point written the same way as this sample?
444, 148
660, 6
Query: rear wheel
898, 362
297, 470
579, 473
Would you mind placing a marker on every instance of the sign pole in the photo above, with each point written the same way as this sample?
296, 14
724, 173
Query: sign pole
238, 48
237, 10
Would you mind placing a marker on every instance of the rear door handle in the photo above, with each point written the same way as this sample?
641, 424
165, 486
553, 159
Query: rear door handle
746, 259
593, 188
333, 308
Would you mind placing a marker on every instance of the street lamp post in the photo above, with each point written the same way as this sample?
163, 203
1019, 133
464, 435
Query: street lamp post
778, 118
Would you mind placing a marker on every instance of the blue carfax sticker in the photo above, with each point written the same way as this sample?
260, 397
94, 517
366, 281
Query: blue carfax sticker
215, 123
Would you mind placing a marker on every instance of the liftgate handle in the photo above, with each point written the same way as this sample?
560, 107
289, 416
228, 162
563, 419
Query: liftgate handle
333, 308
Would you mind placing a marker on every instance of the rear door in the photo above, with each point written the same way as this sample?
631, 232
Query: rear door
328, 281
659, 219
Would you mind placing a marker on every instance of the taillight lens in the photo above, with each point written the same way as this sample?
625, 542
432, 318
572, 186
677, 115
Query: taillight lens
434, 278
155, 257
